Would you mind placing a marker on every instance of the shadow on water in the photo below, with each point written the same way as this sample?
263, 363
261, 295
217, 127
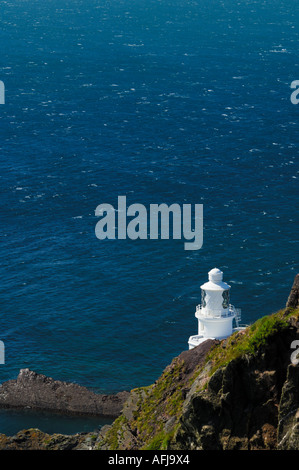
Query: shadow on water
14, 420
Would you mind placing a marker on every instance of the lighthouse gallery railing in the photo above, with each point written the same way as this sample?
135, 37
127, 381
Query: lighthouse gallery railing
231, 311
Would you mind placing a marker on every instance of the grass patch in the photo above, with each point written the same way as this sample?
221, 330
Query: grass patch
159, 442
250, 341
115, 433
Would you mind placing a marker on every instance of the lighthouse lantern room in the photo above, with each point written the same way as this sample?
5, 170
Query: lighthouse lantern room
216, 316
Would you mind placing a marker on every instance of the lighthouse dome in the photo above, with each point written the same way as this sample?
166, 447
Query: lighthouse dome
215, 281
215, 275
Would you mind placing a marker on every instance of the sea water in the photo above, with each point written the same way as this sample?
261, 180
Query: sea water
182, 101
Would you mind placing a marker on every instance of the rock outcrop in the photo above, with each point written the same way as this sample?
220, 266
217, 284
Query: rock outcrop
34, 439
36, 391
293, 300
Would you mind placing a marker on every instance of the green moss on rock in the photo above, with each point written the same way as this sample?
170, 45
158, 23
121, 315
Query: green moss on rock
252, 340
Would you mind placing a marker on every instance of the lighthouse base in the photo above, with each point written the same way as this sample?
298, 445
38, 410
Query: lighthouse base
196, 340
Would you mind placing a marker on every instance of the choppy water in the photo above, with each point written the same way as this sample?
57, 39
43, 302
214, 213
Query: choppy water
182, 101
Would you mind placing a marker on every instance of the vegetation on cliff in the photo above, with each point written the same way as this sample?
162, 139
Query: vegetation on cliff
252, 340
150, 416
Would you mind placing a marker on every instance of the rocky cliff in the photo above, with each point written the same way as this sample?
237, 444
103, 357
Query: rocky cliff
241, 393
238, 394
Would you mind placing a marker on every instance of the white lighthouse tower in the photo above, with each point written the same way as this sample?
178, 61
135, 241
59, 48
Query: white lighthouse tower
215, 314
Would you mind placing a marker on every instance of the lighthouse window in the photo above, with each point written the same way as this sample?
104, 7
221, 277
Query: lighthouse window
225, 296
203, 298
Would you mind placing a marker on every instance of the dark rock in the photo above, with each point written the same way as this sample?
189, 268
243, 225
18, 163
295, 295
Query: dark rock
239, 400
293, 300
36, 391
34, 439
288, 424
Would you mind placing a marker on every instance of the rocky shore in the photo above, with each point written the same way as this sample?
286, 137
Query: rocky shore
241, 393
38, 392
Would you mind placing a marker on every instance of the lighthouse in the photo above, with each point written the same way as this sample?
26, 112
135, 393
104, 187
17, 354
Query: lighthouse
217, 318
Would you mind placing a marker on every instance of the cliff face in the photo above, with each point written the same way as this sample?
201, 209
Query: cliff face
293, 300
240, 393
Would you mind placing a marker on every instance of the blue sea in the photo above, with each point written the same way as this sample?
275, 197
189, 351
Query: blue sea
182, 101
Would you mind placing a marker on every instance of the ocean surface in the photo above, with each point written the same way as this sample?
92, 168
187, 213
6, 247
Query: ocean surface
160, 101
